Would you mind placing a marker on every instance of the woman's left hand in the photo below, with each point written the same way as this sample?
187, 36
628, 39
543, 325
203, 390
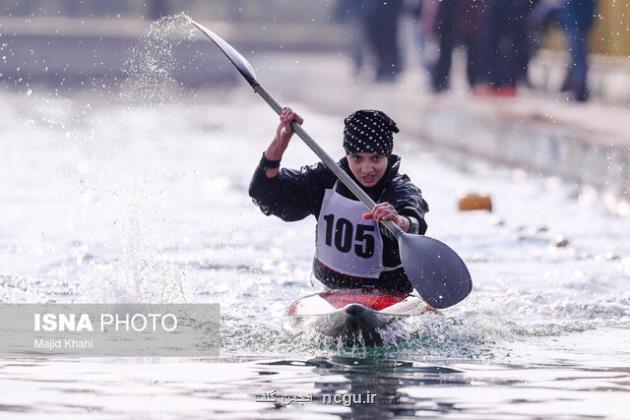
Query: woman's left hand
385, 211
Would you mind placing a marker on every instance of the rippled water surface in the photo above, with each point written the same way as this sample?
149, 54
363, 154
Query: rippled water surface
107, 200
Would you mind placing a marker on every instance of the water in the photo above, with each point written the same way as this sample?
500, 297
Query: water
107, 202
109, 199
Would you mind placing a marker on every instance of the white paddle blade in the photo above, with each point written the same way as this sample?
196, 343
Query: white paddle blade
234, 56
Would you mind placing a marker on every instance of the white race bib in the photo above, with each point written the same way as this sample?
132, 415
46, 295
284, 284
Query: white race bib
345, 242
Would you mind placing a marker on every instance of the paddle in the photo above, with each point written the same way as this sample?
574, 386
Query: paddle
434, 269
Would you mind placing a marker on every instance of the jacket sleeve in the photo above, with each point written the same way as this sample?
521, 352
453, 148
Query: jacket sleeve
291, 195
407, 200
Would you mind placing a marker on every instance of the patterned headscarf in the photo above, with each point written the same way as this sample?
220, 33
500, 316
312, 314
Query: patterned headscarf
369, 131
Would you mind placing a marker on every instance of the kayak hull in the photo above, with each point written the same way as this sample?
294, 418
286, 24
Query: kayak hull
353, 315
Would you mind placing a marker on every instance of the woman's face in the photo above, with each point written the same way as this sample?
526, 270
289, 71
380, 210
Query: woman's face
368, 168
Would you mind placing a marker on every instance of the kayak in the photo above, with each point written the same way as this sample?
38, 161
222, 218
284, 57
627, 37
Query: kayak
355, 315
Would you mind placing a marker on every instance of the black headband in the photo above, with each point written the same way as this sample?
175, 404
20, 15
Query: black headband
369, 131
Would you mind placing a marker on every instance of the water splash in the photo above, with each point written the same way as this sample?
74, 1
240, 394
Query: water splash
151, 63
137, 271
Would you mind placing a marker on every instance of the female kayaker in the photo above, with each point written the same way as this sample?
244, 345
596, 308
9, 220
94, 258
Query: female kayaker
352, 249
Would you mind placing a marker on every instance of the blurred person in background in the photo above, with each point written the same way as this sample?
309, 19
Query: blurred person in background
158, 9
531, 43
543, 16
425, 34
455, 22
380, 23
577, 18
503, 45
350, 12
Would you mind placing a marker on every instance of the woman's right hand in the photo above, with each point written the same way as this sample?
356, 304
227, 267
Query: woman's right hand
284, 132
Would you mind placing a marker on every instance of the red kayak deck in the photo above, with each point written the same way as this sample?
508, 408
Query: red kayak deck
380, 301
376, 300
353, 315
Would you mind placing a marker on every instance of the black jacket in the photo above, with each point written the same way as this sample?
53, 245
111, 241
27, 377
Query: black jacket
293, 195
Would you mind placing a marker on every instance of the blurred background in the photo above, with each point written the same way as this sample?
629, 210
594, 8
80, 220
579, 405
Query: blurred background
506, 80
538, 84
500, 37
498, 40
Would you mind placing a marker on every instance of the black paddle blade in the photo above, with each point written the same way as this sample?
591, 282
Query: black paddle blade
234, 56
434, 270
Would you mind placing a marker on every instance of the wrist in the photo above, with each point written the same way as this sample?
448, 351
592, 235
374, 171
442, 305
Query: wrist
272, 156
403, 222
275, 150
269, 163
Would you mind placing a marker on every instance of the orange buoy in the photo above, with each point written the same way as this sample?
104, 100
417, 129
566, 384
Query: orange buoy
475, 201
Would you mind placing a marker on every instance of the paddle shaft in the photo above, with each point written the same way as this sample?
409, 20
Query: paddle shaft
327, 160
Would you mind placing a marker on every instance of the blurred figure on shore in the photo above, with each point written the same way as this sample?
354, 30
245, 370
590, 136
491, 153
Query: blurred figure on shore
543, 16
351, 13
455, 22
531, 45
425, 13
380, 25
577, 18
158, 9
504, 47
